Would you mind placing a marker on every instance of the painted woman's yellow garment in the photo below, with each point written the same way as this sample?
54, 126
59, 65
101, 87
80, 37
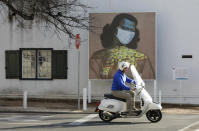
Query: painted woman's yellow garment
121, 53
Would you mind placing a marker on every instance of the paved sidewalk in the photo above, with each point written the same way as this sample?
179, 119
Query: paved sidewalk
44, 106
70, 106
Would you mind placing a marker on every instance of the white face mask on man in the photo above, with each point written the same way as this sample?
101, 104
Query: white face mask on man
125, 36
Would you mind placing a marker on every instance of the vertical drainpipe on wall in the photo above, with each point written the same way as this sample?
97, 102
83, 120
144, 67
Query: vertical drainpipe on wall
156, 51
21, 82
155, 81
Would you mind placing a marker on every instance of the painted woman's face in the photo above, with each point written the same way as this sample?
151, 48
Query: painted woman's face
125, 31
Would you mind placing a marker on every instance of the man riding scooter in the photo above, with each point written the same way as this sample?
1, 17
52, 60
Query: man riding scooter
121, 90
112, 107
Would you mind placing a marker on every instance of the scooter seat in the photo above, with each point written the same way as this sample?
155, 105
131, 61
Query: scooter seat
110, 96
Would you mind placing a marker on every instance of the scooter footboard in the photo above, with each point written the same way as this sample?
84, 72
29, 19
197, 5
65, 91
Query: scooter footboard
112, 105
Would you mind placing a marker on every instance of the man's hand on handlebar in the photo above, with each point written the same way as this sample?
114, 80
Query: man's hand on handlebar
133, 83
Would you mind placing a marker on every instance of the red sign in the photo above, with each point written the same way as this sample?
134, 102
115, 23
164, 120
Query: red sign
77, 42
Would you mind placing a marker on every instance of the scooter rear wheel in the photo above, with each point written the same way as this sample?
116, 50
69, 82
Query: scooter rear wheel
154, 115
104, 117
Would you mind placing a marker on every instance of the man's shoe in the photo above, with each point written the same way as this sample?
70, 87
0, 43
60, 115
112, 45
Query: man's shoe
135, 109
125, 113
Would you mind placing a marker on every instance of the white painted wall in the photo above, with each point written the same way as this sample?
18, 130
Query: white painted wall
177, 34
13, 38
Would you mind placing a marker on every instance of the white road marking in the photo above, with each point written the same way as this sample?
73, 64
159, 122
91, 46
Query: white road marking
24, 118
47, 116
83, 120
11, 117
187, 127
28, 123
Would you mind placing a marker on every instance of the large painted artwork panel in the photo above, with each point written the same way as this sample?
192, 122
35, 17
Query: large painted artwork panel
120, 37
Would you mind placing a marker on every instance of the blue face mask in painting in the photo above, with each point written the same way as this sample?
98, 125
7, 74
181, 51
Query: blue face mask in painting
125, 36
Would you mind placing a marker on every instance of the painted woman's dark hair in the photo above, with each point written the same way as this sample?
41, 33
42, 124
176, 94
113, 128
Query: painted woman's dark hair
107, 35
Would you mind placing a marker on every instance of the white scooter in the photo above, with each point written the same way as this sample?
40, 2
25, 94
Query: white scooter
112, 107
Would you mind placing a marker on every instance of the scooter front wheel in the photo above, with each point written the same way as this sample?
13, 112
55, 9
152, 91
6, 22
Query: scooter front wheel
105, 116
154, 115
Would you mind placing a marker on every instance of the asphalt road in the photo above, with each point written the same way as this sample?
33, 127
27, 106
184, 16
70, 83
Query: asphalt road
91, 122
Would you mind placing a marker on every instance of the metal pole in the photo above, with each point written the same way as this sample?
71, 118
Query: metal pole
84, 99
155, 91
180, 93
25, 99
160, 97
78, 80
89, 91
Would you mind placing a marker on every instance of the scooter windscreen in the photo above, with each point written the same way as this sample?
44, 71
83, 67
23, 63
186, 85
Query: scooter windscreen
136, 76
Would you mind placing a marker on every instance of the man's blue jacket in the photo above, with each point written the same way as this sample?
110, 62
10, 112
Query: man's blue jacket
119, 80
